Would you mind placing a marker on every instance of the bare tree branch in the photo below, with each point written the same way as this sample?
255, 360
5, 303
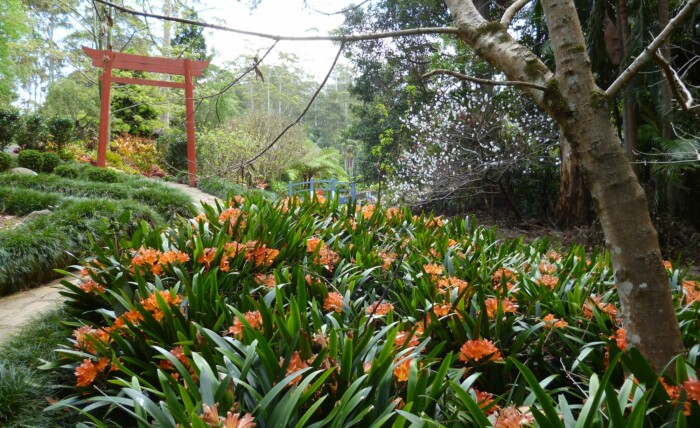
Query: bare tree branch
348, 38
678, 88
308, 105
483, 81
512, 10
648, 53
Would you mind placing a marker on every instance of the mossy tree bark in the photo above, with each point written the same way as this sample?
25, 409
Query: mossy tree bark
581, 109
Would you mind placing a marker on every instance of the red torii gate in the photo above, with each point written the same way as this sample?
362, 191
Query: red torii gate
184, 67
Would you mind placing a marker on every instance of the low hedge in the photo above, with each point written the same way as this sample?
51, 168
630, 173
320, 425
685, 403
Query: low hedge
30, 252
168, 202
21, 202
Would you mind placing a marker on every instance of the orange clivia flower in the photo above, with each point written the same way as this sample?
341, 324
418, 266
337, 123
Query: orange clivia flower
595, 301
692, 387
434, 223
387, 259
90, 286
313, 243
151, 303
445, 285
236, 421
379, 309
295, 364
233, 248
553, 256
475, 350
403, 369
551, 322
433, 269
172, 257
334, 302
484, 399
132, 317
393, 212
668, 265
233, 216
405, 338
367, 211
492, 306
620, 337
691, 290
267, 280
86, 337
145, 256
547, 268
207, 256
504, 276
441, 310
236, 201
87, 372
549, 281
254, 318
513, 417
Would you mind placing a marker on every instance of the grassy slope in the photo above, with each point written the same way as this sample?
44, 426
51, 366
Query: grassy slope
24, 389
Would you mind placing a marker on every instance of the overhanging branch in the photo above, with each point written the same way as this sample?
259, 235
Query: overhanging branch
348, 38
308, 105
483, 81
512, 10
648, 53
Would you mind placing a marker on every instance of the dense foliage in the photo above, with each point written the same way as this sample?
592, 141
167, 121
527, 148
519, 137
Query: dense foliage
300, 313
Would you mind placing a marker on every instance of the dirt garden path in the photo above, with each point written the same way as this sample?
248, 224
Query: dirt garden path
16, 309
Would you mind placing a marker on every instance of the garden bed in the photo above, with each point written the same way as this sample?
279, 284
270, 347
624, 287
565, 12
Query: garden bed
314, 314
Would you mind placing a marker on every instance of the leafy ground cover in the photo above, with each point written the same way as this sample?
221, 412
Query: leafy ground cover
24, 389
80, 210
313, 314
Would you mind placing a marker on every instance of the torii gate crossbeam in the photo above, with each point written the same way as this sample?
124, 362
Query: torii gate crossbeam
109, 60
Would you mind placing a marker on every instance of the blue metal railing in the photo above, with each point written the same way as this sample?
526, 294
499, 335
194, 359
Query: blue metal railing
345, 190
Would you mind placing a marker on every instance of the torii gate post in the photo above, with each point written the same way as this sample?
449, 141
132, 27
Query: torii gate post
185, 67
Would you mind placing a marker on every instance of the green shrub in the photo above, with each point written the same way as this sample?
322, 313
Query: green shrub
9, 124
32, 133
61, 131
103, 175
5, 161
67, 171
175, 158
31, 159
21, 202
50, 161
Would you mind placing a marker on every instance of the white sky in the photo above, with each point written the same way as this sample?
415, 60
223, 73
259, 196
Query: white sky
279, 17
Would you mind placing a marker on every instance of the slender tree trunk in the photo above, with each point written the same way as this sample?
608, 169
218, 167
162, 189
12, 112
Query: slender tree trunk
572, 209
666, 187
581, 109
629, 111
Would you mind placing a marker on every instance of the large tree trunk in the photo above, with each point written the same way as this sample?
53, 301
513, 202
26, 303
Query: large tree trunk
572, 209
581, 109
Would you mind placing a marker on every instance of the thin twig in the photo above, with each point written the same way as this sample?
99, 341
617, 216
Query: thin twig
339, 38
484, 81
342, 11
288, 127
